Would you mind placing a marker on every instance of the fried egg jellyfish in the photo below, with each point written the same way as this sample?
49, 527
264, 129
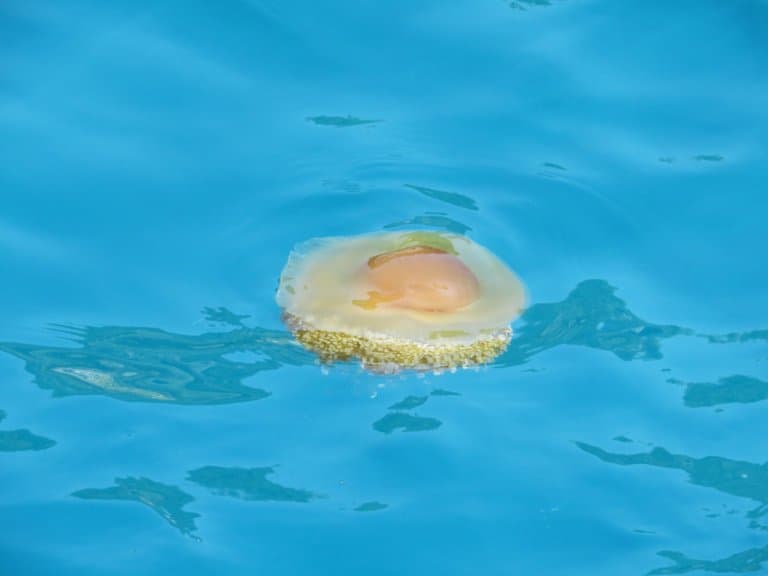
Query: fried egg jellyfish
418, 299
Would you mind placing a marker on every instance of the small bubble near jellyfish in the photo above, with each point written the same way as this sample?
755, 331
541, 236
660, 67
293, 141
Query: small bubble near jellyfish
400, 300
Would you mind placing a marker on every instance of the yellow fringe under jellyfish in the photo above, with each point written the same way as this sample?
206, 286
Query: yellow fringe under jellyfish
424, 300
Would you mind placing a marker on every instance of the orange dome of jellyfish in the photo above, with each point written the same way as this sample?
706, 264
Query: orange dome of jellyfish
400, 299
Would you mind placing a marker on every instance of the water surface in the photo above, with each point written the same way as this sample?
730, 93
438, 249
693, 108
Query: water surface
159, 161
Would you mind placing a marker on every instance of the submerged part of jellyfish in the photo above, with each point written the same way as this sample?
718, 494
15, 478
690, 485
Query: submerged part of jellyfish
400, 300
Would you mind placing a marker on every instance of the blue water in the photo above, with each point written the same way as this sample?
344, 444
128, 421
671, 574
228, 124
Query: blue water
158, 160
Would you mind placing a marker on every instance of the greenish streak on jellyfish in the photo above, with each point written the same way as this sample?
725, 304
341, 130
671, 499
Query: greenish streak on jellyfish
413, 299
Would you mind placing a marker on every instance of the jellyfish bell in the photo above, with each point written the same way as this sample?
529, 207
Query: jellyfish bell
418, 299
420, 278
